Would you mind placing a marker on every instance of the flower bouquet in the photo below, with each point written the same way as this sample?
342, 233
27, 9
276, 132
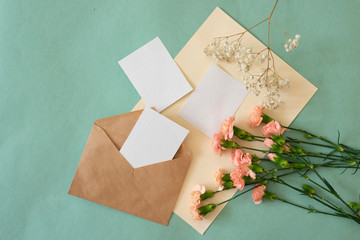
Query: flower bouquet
288, 151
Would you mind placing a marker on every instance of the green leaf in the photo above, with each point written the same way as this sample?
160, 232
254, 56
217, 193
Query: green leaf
354, 205
243, 135
254, 158
270, 195
308, 190
277, 148
228, 185
279, 139
309, 136
207, 194
281, 162
226, 177
207, 209
266, 119
298, 165
298, 150
240, 133
229, 144
256, 168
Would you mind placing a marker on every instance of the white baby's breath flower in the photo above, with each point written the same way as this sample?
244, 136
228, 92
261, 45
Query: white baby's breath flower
266, 83
292, 43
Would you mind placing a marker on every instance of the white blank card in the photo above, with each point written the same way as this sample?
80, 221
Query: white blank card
217, 97
153, 139
155, 75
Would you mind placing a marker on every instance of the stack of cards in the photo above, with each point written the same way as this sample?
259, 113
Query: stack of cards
160, 83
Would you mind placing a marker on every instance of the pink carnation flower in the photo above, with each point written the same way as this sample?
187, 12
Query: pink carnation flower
268, 142
227, 128
218, 178
237, 178
195, 202
273, 128
246, 159
238, 174
239, 158
271, 156
216, 143
236, 155
195, 213
195, 194
258, 194
287, 147
255, 118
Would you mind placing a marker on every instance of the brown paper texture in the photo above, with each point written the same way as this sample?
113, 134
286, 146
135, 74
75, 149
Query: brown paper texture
105, 177
194, 64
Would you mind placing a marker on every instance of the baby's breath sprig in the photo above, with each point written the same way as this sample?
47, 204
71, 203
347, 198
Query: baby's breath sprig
268, 82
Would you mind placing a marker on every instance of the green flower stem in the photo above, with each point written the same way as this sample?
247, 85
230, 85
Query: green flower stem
314, 196
321, 199
254, 149
260, 137
306, 132
326, 156
260, 180
238, 195
335, 193
339, 211
317, 155
314, 210
339, 166
310, 143
325, 189
337, 146
331, 155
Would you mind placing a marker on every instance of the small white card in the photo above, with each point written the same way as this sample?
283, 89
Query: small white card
155, 75
217, 97
153, 139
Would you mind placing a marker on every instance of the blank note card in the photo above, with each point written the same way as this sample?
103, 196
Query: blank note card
217, 97
155, 75
153, 139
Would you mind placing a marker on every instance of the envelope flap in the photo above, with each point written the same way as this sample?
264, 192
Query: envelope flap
119, 127
105, 177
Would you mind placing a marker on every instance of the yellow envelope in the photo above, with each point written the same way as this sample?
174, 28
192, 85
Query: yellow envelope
194, 64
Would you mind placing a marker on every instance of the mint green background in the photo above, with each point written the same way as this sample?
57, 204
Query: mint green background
59, 73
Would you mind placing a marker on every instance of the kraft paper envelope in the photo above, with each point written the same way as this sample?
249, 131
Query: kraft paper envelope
194, 64
105, 177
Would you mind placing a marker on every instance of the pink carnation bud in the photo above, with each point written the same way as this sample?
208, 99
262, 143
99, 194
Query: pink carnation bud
271, 156
268, 142
287, 147
216, 143
258, 194
227, 128
218, 178
255, 118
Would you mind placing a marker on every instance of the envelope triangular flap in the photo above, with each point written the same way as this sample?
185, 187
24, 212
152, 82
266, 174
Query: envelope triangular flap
104, 176
119, 127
